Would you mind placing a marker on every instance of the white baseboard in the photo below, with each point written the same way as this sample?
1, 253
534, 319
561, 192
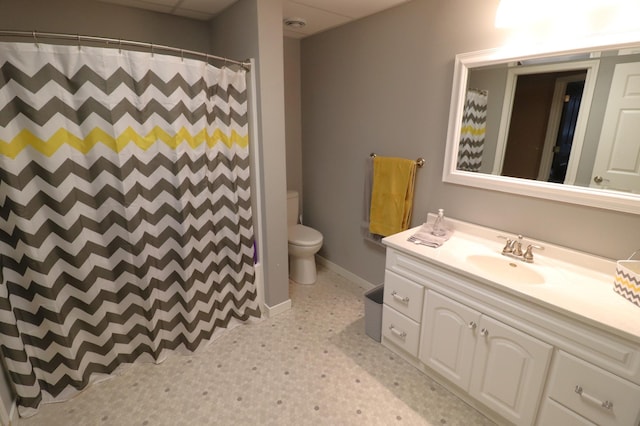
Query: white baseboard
14, 410
4, 417
270, 311
286, 305
7, 418
341, 271
259, 282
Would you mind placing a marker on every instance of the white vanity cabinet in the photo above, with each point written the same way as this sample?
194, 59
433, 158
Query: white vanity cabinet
593, 394
496, 364
516, 360
401, 312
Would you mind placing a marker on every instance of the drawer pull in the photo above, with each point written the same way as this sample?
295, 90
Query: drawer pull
399, 298
607, 405
484, 332
472, 325
400, 334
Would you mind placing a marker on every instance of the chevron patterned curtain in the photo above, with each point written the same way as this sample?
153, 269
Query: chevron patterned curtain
472, 133
126, 228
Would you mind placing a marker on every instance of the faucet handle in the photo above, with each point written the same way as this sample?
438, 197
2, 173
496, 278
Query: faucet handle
508, 247
528, 254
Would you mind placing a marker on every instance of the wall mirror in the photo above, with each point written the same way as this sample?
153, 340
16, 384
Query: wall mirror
557, 124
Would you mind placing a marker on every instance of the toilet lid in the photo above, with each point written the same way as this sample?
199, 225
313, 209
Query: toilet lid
301, 235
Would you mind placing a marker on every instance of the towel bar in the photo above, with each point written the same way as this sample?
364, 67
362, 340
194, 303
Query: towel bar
419, 161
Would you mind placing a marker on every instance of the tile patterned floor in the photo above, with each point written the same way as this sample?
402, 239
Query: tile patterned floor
312, 365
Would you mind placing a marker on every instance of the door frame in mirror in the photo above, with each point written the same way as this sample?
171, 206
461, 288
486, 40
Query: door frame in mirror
599, 198
591, 69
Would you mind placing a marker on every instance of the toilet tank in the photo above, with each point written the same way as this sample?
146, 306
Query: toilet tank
292, 208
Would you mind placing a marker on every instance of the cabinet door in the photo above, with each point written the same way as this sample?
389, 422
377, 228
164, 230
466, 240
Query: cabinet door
448, 338
509, 371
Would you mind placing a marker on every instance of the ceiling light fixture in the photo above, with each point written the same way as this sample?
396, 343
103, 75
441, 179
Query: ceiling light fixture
295, 23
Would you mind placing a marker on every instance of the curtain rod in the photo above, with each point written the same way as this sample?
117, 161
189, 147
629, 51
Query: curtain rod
119, 42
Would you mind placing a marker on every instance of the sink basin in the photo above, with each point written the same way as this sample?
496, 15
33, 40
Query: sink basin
506, 270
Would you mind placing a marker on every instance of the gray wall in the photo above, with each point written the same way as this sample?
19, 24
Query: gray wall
383, 84
272, 143
253, 28
6, 394
293, 113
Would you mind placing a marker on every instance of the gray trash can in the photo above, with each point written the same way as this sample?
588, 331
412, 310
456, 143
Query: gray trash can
373, 312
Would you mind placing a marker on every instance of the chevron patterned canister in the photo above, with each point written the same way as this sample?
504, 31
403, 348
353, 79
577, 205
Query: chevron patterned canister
627, 280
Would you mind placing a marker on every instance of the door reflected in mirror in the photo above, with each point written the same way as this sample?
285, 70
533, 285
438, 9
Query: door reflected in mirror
543, 123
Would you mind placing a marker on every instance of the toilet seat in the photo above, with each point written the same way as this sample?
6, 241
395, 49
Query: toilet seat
304, 236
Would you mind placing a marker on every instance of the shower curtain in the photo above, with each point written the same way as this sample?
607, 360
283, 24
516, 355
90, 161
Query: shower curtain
125, 229
472, 133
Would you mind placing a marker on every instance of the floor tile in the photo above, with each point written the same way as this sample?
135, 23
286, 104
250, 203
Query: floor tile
312, 365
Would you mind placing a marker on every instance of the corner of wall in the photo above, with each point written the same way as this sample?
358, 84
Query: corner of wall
253, 28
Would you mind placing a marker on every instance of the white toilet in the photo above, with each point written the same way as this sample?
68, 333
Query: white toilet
304, 243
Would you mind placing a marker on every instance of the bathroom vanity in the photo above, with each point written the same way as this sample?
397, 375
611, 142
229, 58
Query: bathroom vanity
545, 343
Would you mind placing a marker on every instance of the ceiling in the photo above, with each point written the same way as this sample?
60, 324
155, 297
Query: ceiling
320, 15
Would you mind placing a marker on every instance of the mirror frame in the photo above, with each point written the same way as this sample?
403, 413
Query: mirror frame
586, 196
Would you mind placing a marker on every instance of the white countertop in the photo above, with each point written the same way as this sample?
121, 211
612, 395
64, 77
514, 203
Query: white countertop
576, 284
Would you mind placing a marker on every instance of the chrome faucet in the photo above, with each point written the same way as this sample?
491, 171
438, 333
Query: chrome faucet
513, 248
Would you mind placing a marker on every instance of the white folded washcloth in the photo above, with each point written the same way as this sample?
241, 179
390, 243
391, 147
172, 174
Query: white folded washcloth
424, 236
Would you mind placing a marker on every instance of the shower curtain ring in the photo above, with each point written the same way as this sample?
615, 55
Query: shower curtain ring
182, 55
35, 39
78, 37
151, 49
120, 45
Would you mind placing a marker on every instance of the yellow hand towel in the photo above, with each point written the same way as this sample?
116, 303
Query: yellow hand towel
391, 195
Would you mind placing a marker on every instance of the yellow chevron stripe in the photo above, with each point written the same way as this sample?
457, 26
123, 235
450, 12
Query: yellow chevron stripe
628, 284
473, 130
61, 137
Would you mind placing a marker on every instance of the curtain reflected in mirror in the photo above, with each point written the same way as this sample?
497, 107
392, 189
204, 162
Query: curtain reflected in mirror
472, 133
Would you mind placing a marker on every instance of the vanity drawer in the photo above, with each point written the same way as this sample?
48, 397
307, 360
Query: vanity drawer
553, 413
402, 331
403, 295
596, 394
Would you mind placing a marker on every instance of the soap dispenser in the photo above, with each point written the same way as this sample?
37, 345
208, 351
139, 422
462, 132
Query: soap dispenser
438, 226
